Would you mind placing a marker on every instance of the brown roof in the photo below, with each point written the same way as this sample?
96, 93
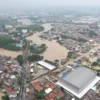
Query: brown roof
48, 84
31, 90
10, 90
51, 96
52, 87
36, 83
60, 94
55, 91
38, 88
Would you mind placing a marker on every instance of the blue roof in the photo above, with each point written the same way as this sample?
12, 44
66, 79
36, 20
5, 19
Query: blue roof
18, 45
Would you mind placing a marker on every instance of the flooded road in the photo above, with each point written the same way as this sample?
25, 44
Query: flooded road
54, 50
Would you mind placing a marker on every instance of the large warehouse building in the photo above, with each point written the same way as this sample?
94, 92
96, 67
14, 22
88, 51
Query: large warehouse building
78, 81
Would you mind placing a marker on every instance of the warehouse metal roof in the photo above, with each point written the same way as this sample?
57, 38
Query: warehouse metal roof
78, 81
82, 93
80, 76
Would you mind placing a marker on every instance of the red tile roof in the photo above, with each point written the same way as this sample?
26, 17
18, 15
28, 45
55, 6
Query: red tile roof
52, 87
60, 94
51, 96
38, 88
55, 91
31, 90
36, 83
48, 84
10, 90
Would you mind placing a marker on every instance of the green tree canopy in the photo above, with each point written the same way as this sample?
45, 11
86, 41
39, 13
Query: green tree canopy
5, 97
35, 58
20, 59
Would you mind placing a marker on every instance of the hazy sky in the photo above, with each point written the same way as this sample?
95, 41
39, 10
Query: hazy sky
27, 3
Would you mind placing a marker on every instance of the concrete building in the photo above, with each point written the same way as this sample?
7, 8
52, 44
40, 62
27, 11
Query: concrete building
78, 81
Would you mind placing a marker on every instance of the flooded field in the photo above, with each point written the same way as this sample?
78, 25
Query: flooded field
9, 53
54, 50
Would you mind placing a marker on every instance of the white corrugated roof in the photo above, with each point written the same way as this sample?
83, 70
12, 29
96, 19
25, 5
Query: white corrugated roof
45, 64
12, 76
31, 70
48, 90
1, 71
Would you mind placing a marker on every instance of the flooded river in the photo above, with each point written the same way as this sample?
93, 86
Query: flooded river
54, 50
9, 53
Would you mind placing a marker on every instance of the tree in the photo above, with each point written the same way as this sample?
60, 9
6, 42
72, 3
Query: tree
5, 71
38, 49
69, 54
19, 81
62, 89
92, 34
8, 43
94, 64
40, 95
5, 97
20, 59
35, 58
1, 84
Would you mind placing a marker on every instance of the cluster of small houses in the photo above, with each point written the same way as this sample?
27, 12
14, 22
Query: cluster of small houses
50, 90
11, 29
66, 29
94, 53
9, 73
81, 60
73, 33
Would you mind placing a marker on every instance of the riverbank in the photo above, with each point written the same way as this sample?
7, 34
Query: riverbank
54, 50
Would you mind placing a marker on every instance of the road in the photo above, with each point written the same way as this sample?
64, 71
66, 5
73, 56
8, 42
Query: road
24, 74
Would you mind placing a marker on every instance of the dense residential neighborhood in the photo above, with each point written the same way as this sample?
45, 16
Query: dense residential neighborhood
50, 55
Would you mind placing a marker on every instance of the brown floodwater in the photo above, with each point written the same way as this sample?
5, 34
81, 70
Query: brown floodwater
9, 53
1, 94
54, 50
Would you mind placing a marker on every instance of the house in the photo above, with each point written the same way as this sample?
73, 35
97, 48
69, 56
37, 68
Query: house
8, 82
51, 96
37, 86
64, 61
12, 92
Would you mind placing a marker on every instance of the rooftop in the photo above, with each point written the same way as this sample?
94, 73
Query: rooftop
78, 81
47, 65
80, 76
